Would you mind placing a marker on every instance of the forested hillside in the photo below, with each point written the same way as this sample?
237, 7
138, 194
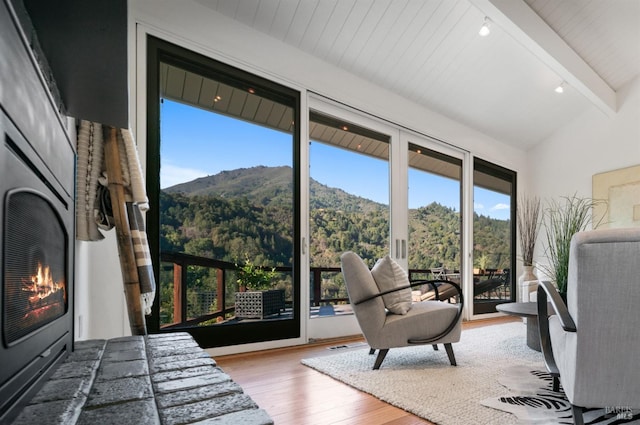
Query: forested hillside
248, 211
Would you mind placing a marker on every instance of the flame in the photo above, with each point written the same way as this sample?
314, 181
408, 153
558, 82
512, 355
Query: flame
42, 285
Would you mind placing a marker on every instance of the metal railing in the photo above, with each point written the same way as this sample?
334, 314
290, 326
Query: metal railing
181, 261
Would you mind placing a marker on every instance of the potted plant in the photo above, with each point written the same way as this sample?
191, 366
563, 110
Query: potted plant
481, 262
563, 219
257, 298
529, 221
253, 277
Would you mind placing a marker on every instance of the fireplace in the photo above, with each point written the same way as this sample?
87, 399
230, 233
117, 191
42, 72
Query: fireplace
36, 222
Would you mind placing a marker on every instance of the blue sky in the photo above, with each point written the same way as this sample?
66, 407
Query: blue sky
196, 143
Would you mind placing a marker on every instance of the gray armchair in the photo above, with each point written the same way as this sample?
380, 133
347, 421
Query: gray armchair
426, 322
592, 344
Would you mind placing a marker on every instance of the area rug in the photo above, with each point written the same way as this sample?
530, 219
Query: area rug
421, 381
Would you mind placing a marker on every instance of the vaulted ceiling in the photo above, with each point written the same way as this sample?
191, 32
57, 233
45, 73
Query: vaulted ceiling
429, 52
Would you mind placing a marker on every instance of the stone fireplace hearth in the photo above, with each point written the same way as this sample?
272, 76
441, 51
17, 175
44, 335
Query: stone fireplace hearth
152, 380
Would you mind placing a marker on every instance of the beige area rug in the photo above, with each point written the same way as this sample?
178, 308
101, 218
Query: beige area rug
498, 380
421, 380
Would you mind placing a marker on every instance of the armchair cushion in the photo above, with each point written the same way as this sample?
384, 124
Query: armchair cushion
388, 276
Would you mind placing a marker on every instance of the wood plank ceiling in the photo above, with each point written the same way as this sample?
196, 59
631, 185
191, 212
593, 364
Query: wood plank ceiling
606, 34
429, 52
192, 89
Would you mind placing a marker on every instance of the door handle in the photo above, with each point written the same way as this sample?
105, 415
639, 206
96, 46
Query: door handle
397, 248
404, 248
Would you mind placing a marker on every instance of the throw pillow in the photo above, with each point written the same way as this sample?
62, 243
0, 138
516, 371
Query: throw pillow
389, 275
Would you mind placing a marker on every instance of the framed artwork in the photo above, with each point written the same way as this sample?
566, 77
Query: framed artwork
621, 191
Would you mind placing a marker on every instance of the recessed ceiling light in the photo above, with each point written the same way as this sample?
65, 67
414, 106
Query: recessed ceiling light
484, 29
560, 88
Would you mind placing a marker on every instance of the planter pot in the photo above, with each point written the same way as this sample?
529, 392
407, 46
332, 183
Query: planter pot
259, 304
527, 283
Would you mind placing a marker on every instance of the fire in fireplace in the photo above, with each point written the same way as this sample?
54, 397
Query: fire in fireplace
44, 298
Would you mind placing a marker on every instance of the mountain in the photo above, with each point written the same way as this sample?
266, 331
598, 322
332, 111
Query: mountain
271, 185
263, 185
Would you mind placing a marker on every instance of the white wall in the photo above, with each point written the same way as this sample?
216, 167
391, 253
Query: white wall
593, 143
198, 28
100, 310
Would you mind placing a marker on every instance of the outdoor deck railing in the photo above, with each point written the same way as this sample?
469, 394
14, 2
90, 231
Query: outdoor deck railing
181, 261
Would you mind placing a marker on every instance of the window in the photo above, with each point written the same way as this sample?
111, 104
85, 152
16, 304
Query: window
224, 193
494, 194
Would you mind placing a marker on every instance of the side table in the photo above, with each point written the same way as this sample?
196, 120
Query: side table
530, 311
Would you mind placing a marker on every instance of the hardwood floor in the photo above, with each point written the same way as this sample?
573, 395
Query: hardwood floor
294, 394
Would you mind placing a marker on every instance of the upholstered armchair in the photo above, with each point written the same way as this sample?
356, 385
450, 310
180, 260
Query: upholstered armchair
381, 302
592, 344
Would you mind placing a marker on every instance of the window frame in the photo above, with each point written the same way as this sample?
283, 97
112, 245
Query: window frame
158, 51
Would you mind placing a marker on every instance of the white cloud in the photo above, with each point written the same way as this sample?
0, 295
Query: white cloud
477, 206
498, 207
171, 175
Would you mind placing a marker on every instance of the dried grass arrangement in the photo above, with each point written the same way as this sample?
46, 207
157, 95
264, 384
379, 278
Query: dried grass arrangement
529, 222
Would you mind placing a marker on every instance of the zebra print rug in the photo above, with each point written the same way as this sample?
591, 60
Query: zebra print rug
533, 401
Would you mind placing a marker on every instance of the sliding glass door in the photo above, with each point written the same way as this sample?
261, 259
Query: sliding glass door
435, 205
434, 213
377, 190
348, 204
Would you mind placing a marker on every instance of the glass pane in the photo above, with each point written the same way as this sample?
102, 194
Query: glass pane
492, 238
348, 205
434, 216
226, 201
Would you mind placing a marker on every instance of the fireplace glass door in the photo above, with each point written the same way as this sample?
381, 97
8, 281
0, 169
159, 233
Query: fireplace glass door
35, 290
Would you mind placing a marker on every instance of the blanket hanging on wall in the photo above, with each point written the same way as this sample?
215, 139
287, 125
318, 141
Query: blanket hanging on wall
94, 212
89, 166
92, 178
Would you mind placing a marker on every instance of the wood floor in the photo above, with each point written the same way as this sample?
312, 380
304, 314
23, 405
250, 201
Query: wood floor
294, 394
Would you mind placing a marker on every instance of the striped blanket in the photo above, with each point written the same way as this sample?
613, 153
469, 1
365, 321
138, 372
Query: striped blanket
94, 212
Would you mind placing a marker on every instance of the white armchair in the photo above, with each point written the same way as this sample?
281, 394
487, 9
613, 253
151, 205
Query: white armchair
592, 344
388, 319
